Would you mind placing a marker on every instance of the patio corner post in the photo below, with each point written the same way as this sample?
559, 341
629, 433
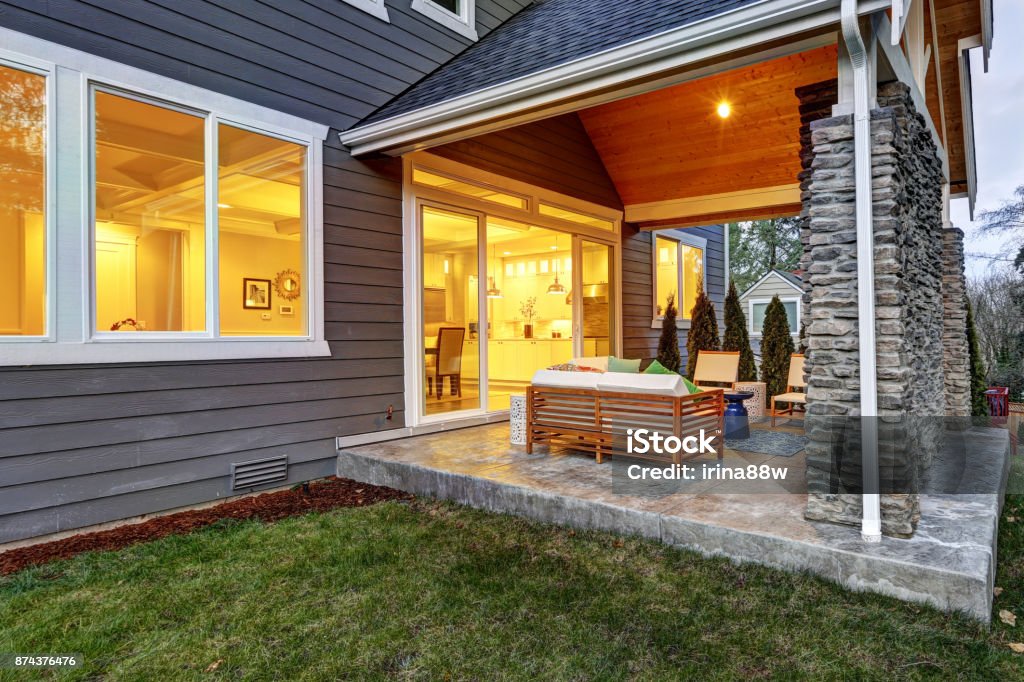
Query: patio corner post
871, 523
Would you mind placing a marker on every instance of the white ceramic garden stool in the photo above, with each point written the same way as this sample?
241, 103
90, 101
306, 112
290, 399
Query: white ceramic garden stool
517, 418
755, 406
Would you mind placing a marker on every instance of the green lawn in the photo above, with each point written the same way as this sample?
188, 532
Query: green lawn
436, 591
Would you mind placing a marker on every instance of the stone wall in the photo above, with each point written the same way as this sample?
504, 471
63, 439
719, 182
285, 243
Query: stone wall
906, 189
815, 103
955, 361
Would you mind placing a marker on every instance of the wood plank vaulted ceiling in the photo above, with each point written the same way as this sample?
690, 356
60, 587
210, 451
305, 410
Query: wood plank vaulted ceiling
671, 143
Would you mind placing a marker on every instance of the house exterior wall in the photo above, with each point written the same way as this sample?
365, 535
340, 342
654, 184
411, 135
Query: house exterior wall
554, 153
639, 336
87, 444
907, 182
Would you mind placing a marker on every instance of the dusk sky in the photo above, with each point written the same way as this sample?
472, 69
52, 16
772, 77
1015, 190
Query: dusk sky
998, 127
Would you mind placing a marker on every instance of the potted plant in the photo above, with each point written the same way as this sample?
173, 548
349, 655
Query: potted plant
528, 309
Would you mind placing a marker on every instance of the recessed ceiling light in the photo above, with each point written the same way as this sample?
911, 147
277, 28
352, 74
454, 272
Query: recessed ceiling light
724, 109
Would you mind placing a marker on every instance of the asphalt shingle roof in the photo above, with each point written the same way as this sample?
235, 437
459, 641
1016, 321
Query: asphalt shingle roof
549, 33
790, 277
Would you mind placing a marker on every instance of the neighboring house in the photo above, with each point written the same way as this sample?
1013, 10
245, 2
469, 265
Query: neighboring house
790, 290
235, 232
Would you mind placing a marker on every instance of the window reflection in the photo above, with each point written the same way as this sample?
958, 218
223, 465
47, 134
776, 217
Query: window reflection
22, 202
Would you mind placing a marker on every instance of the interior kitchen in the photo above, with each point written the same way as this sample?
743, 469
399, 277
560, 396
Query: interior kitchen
530, 293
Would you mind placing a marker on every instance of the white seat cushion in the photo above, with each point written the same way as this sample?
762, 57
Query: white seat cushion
792, 398
597, 362
558, 379
651, 384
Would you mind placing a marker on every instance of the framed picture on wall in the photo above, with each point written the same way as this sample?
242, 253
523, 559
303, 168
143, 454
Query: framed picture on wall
255, 293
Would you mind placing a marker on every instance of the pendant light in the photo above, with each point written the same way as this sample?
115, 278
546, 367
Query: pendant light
493, 291
556, 288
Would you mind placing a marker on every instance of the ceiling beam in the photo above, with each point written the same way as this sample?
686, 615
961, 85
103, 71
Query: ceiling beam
727, 202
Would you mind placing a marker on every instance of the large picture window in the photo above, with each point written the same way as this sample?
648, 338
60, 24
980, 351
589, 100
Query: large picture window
678, 272
22, 202
150, 212
189, 223
151, 235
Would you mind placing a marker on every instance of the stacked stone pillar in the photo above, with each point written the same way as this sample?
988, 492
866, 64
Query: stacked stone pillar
956, 360
907, 193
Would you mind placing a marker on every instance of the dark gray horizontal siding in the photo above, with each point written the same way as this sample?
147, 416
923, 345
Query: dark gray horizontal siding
101, 509
555, 153
87, 444
639, 339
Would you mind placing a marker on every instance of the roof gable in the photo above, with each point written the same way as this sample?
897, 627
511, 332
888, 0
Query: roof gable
787, 277
550, 33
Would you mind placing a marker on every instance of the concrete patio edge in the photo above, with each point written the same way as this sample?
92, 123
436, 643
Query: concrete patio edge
848, 562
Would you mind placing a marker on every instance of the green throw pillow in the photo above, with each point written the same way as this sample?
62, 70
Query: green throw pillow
623, 365
657, 368
691, 387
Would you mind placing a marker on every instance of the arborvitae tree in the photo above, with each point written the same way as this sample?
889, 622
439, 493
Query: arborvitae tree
979, 404
776, 348
668, 343
703, 330
737, 337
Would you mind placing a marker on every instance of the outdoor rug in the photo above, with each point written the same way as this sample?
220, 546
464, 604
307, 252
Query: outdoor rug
769, 443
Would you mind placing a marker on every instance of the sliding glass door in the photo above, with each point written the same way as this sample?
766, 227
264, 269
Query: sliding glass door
449, 309
529, 305
500, 299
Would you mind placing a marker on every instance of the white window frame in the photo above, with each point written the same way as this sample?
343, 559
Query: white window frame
463, 23
680, 239
374, 7
70, 334
785, 299
47, 70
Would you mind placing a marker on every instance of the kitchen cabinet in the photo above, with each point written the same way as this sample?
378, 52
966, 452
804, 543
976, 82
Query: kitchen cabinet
517, 359
471, 360
434, 274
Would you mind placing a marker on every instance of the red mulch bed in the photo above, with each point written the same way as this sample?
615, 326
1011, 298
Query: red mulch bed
330, 493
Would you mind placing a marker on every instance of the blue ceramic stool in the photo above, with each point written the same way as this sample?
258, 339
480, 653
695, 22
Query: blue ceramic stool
737, 425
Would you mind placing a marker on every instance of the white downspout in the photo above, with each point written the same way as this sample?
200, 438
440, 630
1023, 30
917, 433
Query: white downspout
871, 524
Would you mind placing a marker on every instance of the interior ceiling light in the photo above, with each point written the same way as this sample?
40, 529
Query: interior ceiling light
724, 109
556, 288
493, 291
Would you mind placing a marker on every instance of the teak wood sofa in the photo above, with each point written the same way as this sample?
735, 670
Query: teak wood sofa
593, 412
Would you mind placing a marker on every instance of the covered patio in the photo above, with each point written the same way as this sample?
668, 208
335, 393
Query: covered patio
949, 563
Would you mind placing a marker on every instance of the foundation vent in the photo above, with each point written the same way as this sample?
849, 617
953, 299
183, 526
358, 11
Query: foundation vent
245, 475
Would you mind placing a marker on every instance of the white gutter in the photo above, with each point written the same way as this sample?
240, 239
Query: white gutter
531, 97
871, 524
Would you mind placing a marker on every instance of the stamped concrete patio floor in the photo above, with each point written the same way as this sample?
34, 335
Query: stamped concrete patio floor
949, 563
